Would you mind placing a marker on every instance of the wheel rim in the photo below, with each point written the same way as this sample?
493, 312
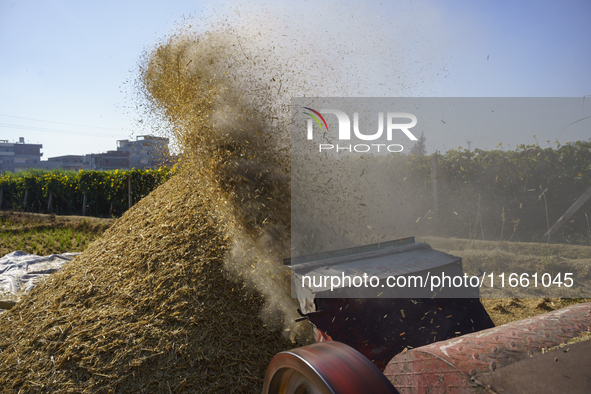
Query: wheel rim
324, 368
294, 382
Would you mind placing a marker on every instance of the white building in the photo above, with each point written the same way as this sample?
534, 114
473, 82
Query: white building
146, 151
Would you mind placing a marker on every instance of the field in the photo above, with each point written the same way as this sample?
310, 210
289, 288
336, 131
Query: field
46, 234
498, 256
109, 328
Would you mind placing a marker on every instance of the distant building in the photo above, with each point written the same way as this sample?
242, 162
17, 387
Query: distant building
19, 156
68, 162
112, 160
146, 151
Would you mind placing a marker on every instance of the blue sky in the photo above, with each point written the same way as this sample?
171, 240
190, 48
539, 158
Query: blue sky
66, 63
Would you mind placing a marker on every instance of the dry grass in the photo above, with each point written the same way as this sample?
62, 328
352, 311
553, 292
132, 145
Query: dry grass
490, 256
170, 298
506, 310
47, 234
146, 308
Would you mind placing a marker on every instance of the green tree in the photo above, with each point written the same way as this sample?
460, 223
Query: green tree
419, 148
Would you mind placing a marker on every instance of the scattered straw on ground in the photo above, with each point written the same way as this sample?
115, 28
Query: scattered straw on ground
497, 256
146, 308
19, 222
506, 310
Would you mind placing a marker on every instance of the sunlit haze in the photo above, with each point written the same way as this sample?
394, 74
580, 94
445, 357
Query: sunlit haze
67, 67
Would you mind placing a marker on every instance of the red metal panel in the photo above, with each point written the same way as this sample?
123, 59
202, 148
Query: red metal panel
562, 370
490, 349
321, 336
418, 372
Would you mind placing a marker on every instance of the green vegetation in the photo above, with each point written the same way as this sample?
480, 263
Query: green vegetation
46, 234
493, 195
106, 191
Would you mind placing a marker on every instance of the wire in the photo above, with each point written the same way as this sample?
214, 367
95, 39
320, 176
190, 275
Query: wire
46, 130
68, 124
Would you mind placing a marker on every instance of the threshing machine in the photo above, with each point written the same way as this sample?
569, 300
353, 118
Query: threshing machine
388, 339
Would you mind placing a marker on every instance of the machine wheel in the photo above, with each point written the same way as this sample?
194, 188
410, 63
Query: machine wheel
324, 368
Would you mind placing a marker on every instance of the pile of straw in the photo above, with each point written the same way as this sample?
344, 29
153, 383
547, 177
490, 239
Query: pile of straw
186, 291
146, 308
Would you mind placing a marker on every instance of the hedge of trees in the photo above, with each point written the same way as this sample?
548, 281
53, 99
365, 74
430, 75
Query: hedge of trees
516, 194
93, 193
498, 194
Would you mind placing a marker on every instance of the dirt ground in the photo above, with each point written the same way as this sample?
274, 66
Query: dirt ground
488, 256
47, 234
31, 220
506, 310
501, 310
98, 326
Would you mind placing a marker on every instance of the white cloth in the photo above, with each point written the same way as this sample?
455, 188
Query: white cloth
20, 271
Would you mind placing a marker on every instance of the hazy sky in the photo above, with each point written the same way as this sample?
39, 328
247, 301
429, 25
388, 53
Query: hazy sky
64, 64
